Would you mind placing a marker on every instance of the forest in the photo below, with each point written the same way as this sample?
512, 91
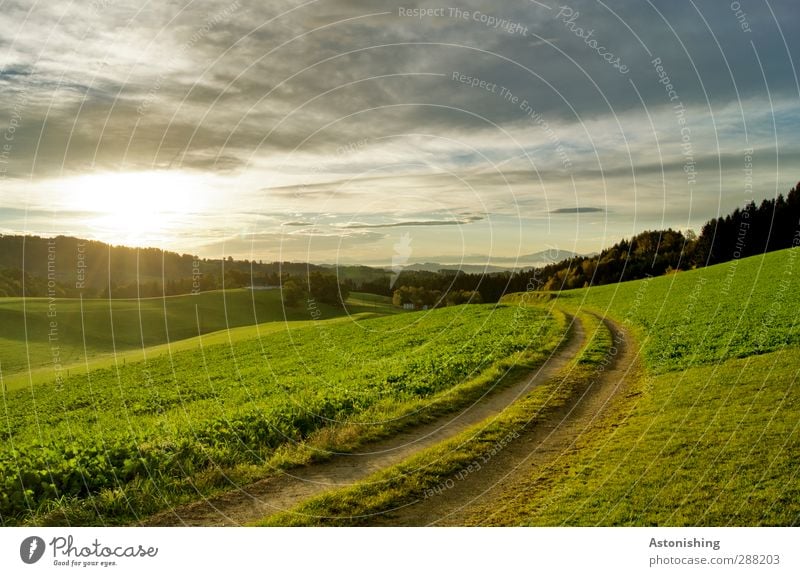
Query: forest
70, 267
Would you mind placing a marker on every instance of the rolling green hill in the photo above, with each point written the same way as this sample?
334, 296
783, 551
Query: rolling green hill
38, 333
710, 435
707, 434
136, 437
704, 316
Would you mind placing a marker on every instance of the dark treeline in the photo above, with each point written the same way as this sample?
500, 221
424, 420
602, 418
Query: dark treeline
751, 230
68, 267
748, 231
65, 266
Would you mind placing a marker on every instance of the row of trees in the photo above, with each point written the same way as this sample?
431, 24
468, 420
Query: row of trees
421, 297
754, 229
133, 272
748, 231
87, 267
751, 230
320, 287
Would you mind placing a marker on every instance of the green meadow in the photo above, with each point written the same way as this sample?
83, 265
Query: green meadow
43, 339
707, 432
112, 444
713, 436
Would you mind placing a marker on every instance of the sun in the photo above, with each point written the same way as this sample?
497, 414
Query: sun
134, 207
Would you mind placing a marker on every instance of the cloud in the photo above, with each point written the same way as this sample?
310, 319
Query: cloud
352, 109
457, 222
577, 210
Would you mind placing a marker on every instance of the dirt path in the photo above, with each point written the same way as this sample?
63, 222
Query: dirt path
258, 500
522, 464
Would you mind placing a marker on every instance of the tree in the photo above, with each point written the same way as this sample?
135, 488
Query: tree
326, 288
291, 293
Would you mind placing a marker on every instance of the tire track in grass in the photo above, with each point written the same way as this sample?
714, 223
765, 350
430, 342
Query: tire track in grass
481, 498
276, 494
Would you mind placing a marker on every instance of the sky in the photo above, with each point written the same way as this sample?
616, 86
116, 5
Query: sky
359, 131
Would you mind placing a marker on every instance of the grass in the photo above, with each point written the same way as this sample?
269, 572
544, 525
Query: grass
101, 333
708, 435
432, 471
116, 443
714, 438
703, 316
709, 446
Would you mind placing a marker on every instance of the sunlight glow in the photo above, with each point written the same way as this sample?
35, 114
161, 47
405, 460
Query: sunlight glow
135, 207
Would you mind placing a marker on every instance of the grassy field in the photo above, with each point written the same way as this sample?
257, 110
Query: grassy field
708, 435
427, 474
710, 446
103, 332
119, 442
714, 437
705, 316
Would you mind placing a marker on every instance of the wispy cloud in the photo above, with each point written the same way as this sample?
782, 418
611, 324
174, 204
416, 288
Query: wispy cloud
383, 121
577, 210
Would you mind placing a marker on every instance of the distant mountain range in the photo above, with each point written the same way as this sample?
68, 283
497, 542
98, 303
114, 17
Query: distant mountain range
477, 263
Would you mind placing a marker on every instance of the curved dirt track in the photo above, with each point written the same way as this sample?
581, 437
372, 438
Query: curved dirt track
260, 499
522, 464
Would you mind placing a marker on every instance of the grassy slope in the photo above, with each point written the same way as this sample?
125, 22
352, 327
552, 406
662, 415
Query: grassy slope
710, 437
731, 310
180, 423
714, 438
140, 328
712, 445
427, 473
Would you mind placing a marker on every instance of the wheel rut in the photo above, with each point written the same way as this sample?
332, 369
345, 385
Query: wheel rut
278, 493
523, 464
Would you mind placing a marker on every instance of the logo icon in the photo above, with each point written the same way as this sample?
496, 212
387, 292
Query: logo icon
402, 252
31, 550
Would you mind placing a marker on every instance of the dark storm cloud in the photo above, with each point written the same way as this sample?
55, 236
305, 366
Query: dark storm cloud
209, 78
577, 210
343, 102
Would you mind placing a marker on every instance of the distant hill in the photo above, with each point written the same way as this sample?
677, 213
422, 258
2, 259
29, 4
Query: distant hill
535, 258
478, 263
469, 268
65, 266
